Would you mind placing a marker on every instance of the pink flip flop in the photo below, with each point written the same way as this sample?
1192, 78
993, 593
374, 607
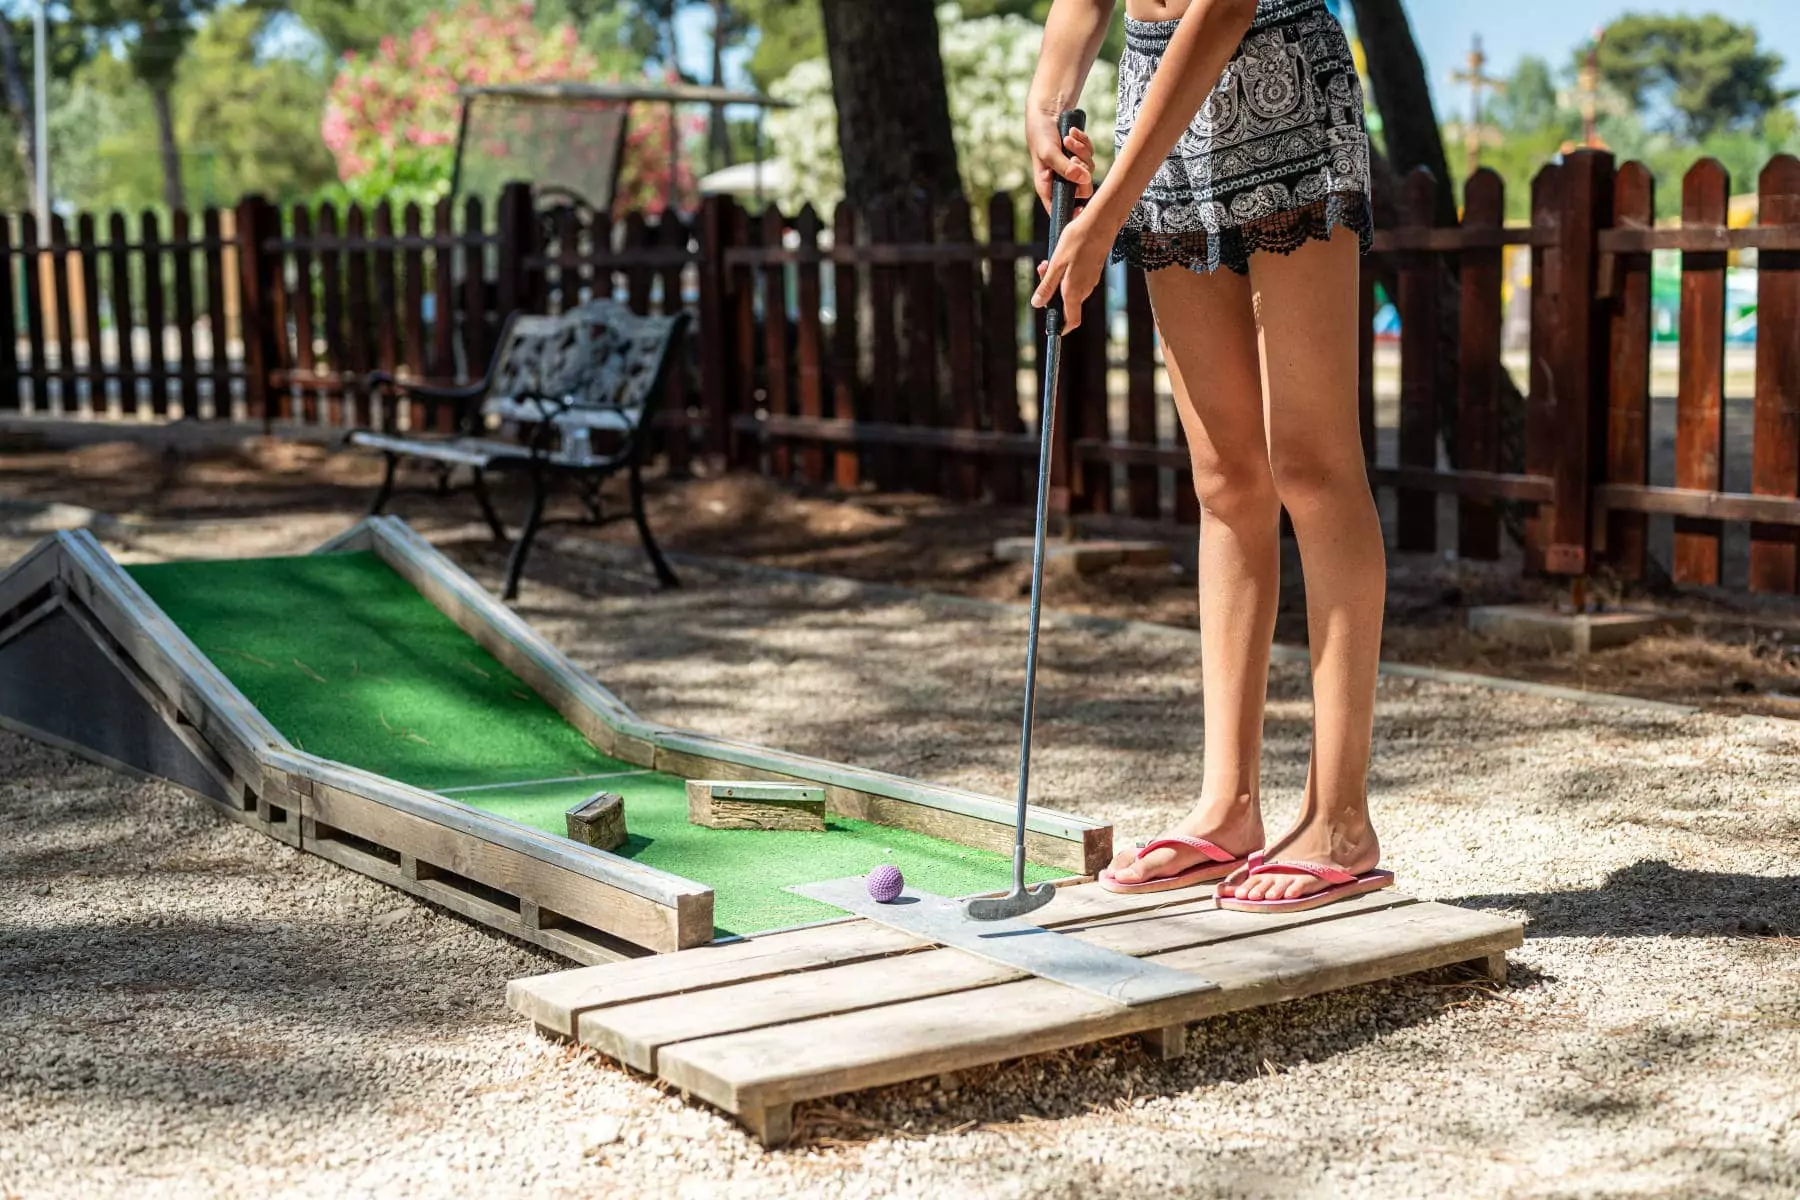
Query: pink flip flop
1218, 864
1341, 885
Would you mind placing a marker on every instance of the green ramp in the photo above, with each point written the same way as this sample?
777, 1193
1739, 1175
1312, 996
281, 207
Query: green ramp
349, 662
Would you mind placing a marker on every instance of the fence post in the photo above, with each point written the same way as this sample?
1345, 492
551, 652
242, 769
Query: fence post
514, 285
257, 222
715, 330
1581, 362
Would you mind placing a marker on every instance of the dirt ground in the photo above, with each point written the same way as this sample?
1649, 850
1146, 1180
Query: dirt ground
1742, 654
190, 1009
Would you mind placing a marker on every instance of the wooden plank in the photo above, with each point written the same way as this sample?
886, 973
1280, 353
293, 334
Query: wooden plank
201, 694
31, 264
387, 318
637, 274
1707, 507
1700, 401
870, 1048
571, 945
958, 279
259, 302
10, 264
305, 350
1143, 488
672, 233
809, 346
846, 469
1540, 401
443, 297
187, 366
331, 289
1775, 456
359, 315
636, 1033
715, 327
555, 1001
921, 397
65, 324
611, 909
1478, 400
743, 231
777, 384
155, 320
218, 321
1418, 304
722, 805
1628, 385
1000, 349
415, 353
701, 756
87, 249
477, 336
1581, 368
884, 355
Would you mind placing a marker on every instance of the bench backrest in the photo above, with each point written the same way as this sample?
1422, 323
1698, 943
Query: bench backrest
597, 364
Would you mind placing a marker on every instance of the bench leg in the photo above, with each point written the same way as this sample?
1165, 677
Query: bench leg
478, 485
515, 566
387, 486
665, 575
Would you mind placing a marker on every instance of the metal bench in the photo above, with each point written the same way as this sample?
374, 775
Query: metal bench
568, 397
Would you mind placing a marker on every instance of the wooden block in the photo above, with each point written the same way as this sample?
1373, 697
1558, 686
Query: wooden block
599, 821
722, 805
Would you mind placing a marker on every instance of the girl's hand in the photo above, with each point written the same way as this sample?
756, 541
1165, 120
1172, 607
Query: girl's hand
1075, 268
1071, 157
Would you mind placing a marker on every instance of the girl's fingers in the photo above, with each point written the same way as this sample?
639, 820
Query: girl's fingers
1051, 276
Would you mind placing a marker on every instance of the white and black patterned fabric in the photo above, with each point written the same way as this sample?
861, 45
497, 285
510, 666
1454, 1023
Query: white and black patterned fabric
1277, 156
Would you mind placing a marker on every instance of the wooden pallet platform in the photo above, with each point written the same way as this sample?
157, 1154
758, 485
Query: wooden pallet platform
757, 1025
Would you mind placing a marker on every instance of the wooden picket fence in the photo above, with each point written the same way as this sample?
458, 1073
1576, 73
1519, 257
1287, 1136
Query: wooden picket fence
893, 349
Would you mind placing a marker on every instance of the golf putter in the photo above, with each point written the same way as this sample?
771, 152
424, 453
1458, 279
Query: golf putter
1022, 900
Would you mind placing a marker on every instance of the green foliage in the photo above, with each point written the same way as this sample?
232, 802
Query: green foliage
1698, 76
357, 26
244, 123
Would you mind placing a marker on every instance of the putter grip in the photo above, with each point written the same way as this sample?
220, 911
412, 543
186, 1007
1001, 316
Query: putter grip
1062, 207
1062, 191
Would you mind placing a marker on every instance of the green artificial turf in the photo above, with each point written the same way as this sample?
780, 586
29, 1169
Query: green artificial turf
348, 661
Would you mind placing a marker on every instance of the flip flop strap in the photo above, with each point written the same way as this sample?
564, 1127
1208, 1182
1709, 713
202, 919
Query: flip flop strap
1176, 841
1321, 871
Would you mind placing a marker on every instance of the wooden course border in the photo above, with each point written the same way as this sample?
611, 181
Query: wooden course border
757, 1026
575, 900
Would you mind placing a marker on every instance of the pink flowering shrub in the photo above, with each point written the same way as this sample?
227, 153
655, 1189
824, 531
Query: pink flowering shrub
390, 118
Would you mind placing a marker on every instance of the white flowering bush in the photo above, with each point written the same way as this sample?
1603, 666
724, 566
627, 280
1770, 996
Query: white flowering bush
988, 64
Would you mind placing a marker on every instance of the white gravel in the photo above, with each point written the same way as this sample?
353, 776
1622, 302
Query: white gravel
191, 1009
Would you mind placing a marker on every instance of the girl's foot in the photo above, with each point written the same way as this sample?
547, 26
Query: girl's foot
1234, 827
1347, 846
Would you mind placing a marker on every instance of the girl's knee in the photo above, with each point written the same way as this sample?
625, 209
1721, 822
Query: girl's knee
1310, 478
1237, 492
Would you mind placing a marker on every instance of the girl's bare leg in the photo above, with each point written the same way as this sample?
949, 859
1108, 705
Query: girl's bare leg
1210, 346
1305, 311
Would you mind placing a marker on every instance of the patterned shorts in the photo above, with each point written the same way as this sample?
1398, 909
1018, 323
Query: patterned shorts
1275, 157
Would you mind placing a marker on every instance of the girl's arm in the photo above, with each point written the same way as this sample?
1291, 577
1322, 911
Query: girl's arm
1072, 36
1209, 34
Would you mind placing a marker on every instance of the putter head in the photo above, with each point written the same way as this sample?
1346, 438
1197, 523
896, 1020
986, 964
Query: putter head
1013, 904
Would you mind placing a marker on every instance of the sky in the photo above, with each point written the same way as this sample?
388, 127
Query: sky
1550, 29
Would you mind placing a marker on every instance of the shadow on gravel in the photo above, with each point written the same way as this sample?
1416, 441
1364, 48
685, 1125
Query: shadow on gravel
1654, 899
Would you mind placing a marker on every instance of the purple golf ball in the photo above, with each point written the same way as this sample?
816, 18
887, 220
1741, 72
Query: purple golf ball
885, 883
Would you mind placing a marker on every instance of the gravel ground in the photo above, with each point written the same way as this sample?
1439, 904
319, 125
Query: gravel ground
189, 1008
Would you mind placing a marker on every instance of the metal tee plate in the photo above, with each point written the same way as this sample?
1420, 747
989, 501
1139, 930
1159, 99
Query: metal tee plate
1013, 943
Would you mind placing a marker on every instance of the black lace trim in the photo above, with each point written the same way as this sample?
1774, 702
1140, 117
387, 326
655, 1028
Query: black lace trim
1279, 233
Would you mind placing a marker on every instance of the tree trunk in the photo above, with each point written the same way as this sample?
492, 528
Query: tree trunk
171, 158
717, 135
887, 78
18, 104
1409, 128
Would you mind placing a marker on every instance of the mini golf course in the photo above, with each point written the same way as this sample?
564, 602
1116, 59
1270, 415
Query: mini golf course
351, 663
